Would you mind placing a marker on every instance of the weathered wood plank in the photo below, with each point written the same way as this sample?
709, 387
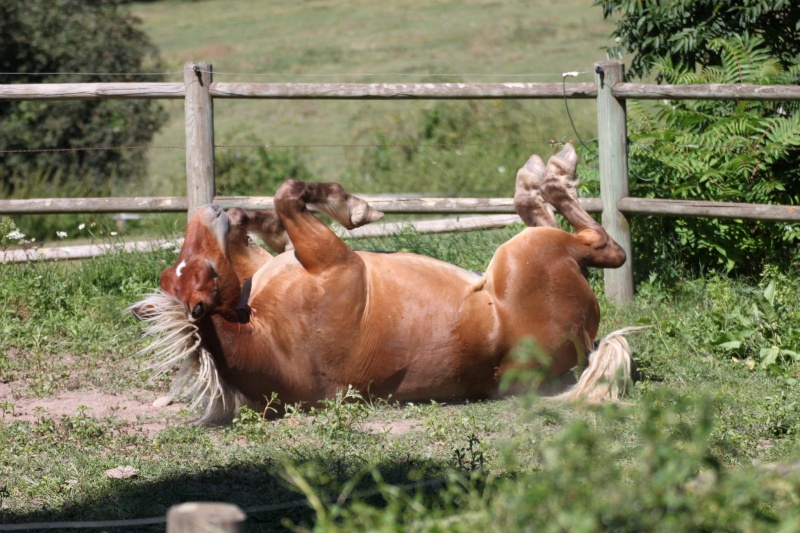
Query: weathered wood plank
612, 141
414, 205
176, 204
449, 225
694, 208
391, 91
42, 206
199, 121
88, 91
86, 251
82, 251
176, 90
712, 91
205, 517
390, 205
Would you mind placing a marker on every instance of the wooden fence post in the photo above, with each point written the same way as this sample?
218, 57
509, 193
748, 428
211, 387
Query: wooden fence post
204, 517
199, 111
612, 139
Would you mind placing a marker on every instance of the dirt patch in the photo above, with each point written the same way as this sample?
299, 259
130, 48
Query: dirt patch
135, 408
394, 427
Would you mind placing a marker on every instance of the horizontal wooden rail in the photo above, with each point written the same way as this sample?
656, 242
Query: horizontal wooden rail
713, 91
174, 204
90, 91
336, 91
46, 206
85, 251
390, 91
694, 208
393, 91
406, 205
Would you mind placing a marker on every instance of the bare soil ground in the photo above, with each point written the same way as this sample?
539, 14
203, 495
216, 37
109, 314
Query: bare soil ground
134, 408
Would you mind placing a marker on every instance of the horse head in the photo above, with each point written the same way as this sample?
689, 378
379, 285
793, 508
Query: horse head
203, 278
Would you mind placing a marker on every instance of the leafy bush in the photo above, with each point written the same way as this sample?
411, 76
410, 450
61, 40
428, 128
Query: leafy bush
585, 480
447, 149
682, 32
66, 41
257, 171
720, 151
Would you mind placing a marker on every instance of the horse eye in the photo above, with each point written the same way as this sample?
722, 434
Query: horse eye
197, 310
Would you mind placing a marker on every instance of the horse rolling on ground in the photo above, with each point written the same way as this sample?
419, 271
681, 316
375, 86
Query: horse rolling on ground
314, 320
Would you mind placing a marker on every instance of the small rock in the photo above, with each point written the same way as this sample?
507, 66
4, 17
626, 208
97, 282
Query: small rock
122, 472
162, 401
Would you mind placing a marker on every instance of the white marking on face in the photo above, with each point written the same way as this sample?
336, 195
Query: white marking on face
180, 267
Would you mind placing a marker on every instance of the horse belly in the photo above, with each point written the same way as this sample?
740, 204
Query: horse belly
426, 332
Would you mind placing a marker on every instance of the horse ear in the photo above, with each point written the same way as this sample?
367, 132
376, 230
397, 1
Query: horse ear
212, 269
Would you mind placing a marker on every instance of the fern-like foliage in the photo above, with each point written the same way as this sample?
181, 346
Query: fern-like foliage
717, 151
683, 31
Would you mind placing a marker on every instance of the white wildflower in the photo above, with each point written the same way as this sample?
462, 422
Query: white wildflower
16, 235
61, 234
113, 233
81, 226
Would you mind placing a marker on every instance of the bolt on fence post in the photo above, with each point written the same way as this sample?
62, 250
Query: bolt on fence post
199, 113
612, 140
203, 517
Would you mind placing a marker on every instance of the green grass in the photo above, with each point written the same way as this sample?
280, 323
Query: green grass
686, 451
344, 40
706, 441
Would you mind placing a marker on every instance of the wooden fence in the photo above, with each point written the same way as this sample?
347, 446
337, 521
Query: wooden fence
198, 90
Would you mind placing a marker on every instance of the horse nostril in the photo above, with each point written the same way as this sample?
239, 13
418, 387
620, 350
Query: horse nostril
197, 310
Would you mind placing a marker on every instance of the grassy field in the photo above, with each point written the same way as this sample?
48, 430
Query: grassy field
706, 440
409, 41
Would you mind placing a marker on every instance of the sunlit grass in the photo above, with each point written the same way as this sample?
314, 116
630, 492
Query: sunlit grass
62, 327
341, 41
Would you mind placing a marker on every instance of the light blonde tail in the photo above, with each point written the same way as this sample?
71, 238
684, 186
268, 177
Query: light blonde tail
608, 373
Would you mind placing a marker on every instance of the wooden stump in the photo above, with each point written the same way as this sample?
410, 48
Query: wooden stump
205, 517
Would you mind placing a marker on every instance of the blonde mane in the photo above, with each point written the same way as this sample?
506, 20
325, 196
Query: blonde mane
175, 340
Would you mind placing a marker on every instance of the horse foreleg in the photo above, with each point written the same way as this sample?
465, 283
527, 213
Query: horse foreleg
597, 248
315, 245
264, 223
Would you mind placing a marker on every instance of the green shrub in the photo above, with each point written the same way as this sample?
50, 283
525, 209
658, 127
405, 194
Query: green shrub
464, 148
257, 171
724, 151
69, 41
586, 480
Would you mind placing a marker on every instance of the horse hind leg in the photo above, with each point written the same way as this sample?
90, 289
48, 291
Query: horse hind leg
528, 201
559, 188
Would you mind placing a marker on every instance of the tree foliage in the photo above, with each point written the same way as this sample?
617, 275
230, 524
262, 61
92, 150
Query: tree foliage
74, 41
734, 151
724, 151
681, 32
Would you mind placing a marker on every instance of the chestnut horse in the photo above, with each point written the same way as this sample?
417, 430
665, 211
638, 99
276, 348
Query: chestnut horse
316, 319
